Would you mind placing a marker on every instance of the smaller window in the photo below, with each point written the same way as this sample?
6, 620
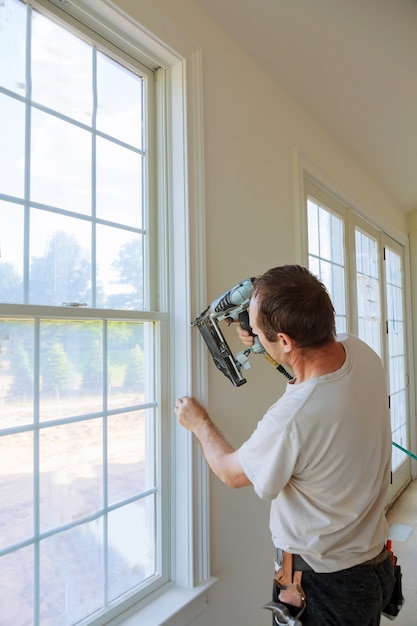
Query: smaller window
326, 255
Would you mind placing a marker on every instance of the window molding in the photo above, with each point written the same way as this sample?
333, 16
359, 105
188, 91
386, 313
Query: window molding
305, 168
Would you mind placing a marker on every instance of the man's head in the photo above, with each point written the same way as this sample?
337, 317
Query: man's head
291, 300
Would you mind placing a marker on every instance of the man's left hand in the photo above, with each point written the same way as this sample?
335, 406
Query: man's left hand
190, 413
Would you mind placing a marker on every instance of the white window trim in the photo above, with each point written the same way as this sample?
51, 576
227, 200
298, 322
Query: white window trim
304, 167
157, 43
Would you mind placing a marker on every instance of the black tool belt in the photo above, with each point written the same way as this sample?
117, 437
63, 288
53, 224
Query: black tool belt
302, 566
380, 558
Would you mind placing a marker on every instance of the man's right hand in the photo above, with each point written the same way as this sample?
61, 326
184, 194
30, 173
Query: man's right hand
244, 335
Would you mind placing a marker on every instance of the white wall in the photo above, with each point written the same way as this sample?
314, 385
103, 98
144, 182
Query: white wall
251, 127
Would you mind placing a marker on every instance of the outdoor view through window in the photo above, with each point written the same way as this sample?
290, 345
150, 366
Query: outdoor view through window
78, 369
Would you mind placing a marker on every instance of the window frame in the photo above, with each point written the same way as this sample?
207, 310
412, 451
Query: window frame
180, 186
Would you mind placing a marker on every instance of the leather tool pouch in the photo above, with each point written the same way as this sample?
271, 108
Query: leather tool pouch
288, 586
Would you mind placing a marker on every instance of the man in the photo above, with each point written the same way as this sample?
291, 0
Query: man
321, 454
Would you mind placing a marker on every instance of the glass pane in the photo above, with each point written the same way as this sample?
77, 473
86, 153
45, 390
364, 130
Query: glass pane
313, 228
366, 255
16, 373
126, 364
119, 184
60, 265
119, 95
60, 164
397, 374
333, 278
71, 363
396, 339
12, 46
71, 472
11, 253
368, 290
12, 146
16, 576
394, 299
337, 247
314, 266
131, 457
399, 435
61, 70
340, 324
119, 269
16, 488
325, 234
394, 274
131, 546
338, 292
71, 575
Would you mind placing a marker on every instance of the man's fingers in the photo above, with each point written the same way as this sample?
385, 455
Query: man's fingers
181, 402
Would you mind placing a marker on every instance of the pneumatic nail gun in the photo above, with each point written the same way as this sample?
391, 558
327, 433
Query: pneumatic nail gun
231, 306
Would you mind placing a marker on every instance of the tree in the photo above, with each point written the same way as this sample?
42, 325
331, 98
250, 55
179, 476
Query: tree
129, 266
54, 370
21, 367
135, 369
62, 274
11, 285
92, 380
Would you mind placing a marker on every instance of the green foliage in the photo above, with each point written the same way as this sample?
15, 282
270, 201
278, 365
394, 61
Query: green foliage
21, 367
62, 274
54, 370
92, 369
135, 369
11, 285
129, 267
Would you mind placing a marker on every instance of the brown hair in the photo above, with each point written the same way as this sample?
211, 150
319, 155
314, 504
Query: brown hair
293, 301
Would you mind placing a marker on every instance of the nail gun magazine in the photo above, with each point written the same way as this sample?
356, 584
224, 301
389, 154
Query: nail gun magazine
231, 306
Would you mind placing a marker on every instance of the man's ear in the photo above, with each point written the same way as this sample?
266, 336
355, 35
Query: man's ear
286, 341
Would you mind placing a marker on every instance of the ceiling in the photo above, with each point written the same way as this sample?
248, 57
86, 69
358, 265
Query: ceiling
351, 64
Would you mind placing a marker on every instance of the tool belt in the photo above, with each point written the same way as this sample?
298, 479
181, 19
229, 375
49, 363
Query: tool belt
289, 570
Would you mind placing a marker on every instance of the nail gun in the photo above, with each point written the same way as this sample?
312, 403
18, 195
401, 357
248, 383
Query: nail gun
231, 306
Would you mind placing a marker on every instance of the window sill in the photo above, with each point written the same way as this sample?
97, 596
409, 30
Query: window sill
175, 606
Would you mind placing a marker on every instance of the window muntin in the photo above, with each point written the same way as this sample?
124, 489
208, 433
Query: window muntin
81, 395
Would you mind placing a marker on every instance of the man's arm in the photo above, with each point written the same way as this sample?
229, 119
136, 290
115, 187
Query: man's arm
221, 457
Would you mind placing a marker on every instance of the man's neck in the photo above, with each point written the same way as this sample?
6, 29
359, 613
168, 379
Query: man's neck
317, 362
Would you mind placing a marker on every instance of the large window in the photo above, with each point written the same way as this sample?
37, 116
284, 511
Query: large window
363, 270
86, 518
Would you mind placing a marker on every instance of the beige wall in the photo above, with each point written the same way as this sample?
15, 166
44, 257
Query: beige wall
251, 127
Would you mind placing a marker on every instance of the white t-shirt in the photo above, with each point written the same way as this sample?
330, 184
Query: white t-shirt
322, 455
